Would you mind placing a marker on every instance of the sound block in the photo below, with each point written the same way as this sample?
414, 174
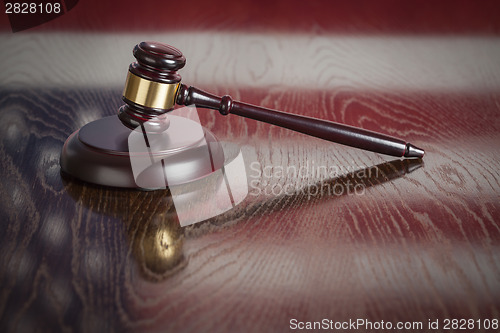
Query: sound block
105, 152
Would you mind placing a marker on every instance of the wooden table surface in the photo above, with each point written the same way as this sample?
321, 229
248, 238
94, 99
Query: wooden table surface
400, 241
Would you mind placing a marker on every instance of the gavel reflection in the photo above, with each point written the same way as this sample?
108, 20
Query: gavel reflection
153, 88
158, 246
149, 218
156, 237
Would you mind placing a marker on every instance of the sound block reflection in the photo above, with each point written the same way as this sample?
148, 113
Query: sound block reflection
105, 152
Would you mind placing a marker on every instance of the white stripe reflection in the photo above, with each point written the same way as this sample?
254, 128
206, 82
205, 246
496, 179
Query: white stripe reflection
396, 63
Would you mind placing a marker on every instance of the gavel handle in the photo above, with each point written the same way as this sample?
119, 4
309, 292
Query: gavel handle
327, 130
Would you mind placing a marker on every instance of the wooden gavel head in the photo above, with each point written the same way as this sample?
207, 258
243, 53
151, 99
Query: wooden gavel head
151, 86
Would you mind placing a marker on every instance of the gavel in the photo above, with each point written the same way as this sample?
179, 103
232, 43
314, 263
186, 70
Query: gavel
158, 148
153, 87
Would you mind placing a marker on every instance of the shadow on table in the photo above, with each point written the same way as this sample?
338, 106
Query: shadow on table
152, 226
325, 190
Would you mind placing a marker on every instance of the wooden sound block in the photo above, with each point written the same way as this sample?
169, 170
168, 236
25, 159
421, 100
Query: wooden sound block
103, 152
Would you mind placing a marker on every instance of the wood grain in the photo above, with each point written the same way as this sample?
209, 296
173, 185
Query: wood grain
420, 246
408, 246
322, 16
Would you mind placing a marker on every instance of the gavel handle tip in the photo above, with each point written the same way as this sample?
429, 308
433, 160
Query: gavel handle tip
412, 151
